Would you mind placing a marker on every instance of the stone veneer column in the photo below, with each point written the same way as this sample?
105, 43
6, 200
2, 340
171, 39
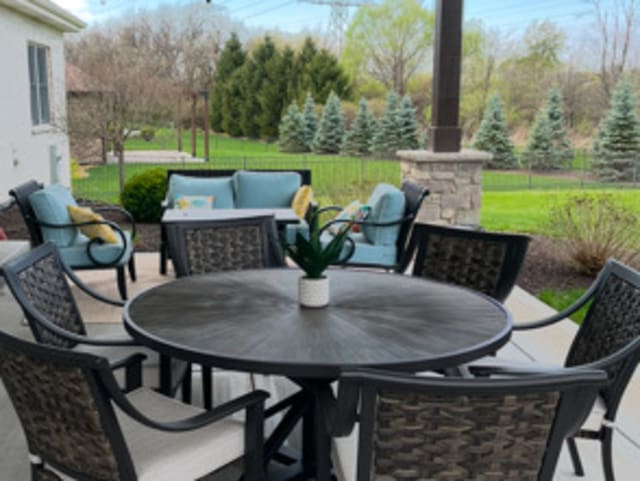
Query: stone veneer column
454, 180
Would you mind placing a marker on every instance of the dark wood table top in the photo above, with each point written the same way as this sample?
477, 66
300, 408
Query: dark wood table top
251, 321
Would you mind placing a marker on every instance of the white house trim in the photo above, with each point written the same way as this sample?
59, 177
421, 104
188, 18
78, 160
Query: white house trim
47, 13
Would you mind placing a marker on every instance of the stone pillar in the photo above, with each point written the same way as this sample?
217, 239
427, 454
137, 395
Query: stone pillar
454, 180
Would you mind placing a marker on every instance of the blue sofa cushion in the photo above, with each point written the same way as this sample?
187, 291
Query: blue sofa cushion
50, 205
292, 229
366, 253
387, 204
255, 190
219, 187
76, 256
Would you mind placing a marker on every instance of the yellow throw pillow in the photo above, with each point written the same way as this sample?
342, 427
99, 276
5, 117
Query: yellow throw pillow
80, 215
301, 201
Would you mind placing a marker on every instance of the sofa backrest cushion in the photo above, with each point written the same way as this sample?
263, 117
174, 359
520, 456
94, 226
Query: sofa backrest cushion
387, 204
219, 187
255, 190
50, 206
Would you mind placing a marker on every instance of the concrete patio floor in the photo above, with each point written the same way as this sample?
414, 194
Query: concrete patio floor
547, 346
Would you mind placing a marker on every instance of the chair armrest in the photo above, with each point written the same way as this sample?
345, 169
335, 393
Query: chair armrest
329, 208
72, 336
511, 369
586, 297
87, 290
366, 223
188, 424
120, 210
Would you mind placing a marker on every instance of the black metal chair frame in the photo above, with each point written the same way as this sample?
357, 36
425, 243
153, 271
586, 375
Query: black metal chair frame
305, 175
515, 251
21, 195
620, 365
40, 325
104, 389
414, 196
358, 391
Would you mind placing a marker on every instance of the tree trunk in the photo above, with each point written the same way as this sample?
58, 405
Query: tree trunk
179, 123
104, 142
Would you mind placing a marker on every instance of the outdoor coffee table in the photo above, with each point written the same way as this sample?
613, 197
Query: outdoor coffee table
282, 216
251, 321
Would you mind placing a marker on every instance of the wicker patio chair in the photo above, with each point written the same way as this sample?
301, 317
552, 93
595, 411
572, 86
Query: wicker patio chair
38, 281
79, 252
609, 339
78, 423
223, 245
487, 262
442, 429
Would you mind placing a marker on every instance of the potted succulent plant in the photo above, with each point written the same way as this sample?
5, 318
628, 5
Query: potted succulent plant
313, 259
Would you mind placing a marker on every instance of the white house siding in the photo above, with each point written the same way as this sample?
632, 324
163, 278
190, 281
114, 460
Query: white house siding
25, 150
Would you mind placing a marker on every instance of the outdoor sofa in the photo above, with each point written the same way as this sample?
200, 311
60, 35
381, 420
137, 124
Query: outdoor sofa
236, 189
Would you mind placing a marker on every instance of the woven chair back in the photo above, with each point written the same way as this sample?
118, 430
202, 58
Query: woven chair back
486, 262
417, 428
38, 282
68, 424
611, 323
216, 246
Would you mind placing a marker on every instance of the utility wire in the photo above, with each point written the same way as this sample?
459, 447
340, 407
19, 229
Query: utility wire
268, 10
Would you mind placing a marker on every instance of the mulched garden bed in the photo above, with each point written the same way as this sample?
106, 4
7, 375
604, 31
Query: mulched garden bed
544, 265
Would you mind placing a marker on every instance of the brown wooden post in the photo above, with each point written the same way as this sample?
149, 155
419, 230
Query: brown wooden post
205, 121
445, 134
179, 122
194, 101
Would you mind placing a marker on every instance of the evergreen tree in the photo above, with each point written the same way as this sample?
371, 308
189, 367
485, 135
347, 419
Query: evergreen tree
408, 124
304, 57
292, 131
329, 137
233, 104
273, 96
493, 137
387, 138
323, 75
539, 152
617, 146
358, 139
254, 77
562, 148
310, 120
231, 58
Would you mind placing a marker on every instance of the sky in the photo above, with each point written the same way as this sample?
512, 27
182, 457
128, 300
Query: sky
297, 15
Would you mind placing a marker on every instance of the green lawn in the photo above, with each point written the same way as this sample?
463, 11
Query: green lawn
511, 201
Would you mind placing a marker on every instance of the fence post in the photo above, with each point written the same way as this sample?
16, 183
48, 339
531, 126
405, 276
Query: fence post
635, 176
244, 162
530, 178
362, 170
584, 167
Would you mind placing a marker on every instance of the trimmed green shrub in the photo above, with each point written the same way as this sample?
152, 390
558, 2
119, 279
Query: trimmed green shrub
143, 194
147, 133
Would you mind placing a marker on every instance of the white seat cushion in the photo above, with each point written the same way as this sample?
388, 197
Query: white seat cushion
344, 452
165, 456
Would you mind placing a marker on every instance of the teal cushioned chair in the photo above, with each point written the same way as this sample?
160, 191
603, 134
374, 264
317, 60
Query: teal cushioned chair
44, 210
220, 188
265, 189
382, 242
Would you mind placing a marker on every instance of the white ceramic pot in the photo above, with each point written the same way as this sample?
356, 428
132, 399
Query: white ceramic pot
313, 292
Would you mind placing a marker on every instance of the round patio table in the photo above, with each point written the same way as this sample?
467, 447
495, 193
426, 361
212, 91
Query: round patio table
251, 321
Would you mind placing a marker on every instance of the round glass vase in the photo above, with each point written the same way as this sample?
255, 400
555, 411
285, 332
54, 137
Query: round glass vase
313, 293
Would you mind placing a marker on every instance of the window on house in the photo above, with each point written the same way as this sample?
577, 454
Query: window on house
39, 83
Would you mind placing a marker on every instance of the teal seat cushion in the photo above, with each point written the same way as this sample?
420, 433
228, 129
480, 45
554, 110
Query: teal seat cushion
221, 188
366, 253
50, 206
387, 204
255, 190
292, 229
75, 255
